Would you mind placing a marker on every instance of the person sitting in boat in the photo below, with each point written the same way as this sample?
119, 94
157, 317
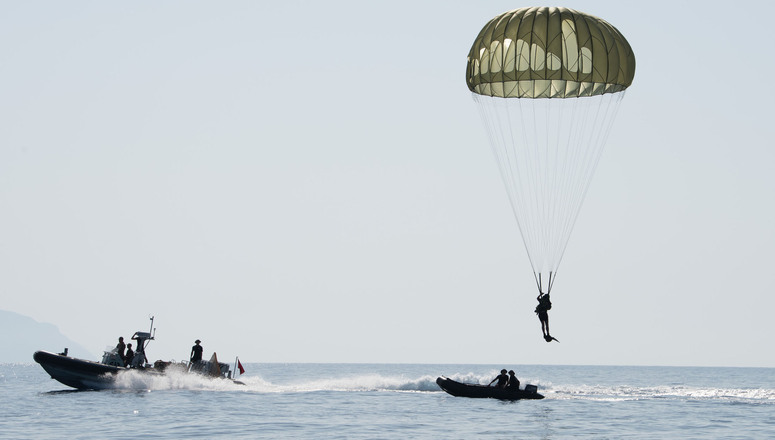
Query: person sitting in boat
196, 351
542, 310
120, 347
502, 379
129, 355
513, 384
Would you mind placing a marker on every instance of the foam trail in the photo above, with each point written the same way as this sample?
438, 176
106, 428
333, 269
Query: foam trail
370, 382
367, 382
172, 380
625, 392
134, 380
376, 382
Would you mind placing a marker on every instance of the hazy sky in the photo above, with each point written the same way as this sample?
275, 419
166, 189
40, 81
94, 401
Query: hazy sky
310, 182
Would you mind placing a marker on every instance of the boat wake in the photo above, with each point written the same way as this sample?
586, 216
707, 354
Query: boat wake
132, 380
668, 392
371, 382
427, 384
172, 380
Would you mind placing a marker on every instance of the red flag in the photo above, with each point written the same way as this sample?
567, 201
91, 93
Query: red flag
239, 365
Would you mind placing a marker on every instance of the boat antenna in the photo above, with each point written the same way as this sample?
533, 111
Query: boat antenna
151, 334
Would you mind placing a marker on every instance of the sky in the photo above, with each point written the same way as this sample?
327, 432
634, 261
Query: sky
310, 182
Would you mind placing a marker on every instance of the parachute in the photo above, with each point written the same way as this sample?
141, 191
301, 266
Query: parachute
548, 82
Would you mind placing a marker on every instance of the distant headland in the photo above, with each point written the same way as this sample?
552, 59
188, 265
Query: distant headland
22, 336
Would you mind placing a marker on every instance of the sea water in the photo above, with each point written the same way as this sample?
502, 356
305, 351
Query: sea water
393, 401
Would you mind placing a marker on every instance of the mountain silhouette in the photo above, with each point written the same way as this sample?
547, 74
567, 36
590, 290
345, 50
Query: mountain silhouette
22, 336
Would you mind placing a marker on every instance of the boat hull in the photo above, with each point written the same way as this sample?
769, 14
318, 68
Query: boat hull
77, 373
88, 375
80, 373
483, 391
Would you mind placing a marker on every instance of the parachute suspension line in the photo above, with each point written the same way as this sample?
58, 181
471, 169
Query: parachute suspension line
497, 118
527, 188
574, 165
564, 196
561, 180
549, 283
524, 201
545, 190
562, 176
547, 151
593, 140
531, 164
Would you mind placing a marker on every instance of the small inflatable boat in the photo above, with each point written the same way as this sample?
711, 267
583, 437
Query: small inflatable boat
479, 391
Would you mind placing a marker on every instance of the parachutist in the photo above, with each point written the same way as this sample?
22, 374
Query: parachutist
542, 310
545, 73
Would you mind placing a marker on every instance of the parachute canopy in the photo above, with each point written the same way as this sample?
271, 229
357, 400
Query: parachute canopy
544, 52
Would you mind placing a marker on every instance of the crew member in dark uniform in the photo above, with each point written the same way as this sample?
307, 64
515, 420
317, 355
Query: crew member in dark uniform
196, 352
129, 355
502, 379
513, 384
120, 347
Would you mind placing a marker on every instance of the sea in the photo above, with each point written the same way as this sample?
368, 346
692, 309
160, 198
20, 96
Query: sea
396, 401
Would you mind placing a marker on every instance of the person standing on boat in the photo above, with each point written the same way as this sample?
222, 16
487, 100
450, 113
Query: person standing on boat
129, 355
502, 379
196, 351
513, 384
120, 347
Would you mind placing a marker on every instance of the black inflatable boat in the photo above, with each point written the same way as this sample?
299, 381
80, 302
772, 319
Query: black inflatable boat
480, 391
